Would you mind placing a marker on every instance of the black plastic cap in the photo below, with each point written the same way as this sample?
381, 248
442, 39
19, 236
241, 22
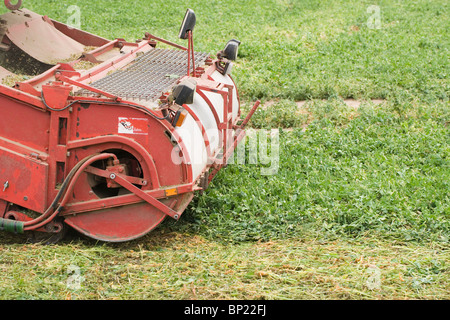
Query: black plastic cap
184, 92
231, 49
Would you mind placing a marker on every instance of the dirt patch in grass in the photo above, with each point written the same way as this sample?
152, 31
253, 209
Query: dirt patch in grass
289, 115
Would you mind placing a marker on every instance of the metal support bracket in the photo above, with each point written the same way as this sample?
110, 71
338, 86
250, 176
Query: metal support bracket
144, 196
63, 78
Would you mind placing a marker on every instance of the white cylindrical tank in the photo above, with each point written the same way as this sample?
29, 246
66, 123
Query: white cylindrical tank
191, 132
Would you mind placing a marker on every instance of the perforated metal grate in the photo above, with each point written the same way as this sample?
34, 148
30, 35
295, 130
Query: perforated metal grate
149, 75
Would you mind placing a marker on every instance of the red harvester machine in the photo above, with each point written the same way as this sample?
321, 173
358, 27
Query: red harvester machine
108, 137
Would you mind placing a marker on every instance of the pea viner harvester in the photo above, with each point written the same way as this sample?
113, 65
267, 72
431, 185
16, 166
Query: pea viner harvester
108, 137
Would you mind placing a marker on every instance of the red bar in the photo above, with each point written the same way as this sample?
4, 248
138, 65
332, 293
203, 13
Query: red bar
128, 199
105, 66
85, 86
250, 114
150, 36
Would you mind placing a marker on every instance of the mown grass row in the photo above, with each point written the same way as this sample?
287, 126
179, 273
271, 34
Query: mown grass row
297, 50
180, 267
379, 173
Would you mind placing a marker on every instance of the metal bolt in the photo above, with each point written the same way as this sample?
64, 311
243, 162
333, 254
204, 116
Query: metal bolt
5, 186
176, 217
112, 176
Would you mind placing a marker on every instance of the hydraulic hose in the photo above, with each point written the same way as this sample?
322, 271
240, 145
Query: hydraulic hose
60, 193
68, 184
65, 191
20, 226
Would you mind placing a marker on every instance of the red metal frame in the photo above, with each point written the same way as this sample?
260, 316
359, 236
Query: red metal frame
65, 138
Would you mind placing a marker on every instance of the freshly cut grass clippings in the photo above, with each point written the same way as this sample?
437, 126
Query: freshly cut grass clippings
84, 65
89, 48
11, 80
181, 266
72, 57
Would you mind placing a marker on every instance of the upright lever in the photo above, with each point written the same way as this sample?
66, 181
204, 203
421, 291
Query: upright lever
11, 6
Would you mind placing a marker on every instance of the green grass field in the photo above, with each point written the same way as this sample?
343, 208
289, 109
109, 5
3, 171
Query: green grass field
360, 188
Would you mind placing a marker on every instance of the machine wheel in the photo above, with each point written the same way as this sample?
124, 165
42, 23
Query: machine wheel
119, 224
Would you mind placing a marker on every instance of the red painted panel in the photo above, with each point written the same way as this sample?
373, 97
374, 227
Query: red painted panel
24, 124
118, 224
23, 180
93, 121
